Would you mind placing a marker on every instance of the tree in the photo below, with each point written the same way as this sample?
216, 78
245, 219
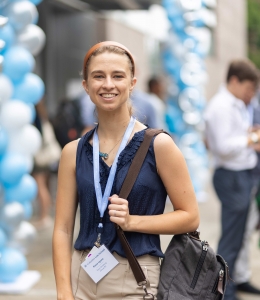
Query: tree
253, 28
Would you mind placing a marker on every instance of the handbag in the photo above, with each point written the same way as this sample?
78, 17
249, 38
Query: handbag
190, 268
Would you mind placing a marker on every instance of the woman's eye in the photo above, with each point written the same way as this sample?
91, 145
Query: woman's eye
118, 76
98, 76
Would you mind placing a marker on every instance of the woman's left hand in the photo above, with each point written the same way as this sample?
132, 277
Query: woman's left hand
119, 212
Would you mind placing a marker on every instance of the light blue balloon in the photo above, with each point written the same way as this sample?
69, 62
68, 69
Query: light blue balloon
12, 264
3, 140
3, 239
7, 34
36, 2
28, 210
25, 191
30, 89
32, 107
17, 63
12, 168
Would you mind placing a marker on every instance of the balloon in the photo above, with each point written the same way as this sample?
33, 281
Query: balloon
1, 196
12, 168
13, 263
15, 114
6, 88
11, 215
26, 141
28, 210
3, 140
191, 4
17, 62
1, 58
36, 2
23, 236
7, 34
24, 191
3, 239
21, 14
32, 38
30, 89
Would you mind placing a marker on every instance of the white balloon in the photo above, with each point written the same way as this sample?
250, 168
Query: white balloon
30, 162
23, 236
26, 141
11, 215
32, 38
6, 88
21, 14
15, 114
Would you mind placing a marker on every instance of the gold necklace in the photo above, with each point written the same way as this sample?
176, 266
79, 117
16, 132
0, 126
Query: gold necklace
104, 154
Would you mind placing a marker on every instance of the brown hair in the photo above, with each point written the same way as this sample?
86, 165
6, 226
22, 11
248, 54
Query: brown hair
111, 47
243, 69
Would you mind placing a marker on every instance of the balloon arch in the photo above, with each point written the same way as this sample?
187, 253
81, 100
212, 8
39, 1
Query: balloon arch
20, 89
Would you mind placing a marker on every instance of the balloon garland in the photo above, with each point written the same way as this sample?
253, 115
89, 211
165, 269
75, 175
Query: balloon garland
183, 58
20, 90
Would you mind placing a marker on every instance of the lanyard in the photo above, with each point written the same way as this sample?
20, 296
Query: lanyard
102, 201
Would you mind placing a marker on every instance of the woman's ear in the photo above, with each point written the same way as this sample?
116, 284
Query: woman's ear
85, 86
133, 83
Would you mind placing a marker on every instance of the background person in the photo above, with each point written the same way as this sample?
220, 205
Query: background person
109, 79
233, 148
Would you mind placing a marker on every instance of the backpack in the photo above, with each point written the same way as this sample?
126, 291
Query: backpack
67, 124
191, 270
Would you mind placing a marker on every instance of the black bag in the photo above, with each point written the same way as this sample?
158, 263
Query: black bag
67, 123
192, 271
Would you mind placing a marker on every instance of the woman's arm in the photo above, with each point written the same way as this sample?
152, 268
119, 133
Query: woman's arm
66, 206
173, 171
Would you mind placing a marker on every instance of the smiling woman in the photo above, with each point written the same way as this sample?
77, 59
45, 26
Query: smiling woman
91, 173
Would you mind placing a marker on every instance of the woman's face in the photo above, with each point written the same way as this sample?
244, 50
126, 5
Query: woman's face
109, 81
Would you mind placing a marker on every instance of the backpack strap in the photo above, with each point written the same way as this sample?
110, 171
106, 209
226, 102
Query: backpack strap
125, 190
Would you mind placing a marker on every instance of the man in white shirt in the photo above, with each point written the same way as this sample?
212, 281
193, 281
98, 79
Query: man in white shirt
233, 148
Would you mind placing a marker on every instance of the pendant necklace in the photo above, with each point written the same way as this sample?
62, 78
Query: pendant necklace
104, 154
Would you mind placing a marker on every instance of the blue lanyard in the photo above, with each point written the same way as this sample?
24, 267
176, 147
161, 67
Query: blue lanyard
102, 201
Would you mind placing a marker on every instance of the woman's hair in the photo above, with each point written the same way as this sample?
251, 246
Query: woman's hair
243, 69
110, 47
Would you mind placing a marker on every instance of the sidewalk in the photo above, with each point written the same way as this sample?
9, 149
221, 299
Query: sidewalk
40, 255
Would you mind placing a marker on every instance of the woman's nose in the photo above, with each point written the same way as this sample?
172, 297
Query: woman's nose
108, 83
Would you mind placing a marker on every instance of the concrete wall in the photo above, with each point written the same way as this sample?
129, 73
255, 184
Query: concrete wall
134, 40
229, 41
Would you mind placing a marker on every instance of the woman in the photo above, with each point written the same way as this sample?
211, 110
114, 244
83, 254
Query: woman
108, 73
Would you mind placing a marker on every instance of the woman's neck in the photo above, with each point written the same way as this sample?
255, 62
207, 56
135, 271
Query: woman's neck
111, 126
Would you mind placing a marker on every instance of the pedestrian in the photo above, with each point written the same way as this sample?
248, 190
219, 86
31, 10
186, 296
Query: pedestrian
156, 91
86, 170
233, 148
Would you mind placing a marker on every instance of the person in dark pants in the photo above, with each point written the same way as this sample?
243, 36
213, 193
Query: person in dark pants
233, 146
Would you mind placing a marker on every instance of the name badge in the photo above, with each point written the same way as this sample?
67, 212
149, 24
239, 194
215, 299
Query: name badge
99, 262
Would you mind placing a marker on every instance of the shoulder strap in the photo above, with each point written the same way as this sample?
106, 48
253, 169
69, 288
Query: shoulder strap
125, 190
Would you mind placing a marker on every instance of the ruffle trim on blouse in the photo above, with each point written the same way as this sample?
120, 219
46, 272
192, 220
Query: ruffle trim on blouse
125, 156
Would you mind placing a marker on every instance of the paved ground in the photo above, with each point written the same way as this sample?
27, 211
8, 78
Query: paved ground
40, 255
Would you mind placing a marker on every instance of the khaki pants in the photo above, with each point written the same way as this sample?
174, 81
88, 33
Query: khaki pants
119, 283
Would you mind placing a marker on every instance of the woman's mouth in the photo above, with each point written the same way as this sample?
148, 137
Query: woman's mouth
108, 96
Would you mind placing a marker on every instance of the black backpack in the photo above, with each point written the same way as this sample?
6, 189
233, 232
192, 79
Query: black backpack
192, 271
67, 123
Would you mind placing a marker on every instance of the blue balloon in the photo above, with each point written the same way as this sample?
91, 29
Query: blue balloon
25, 191
17, 63
36, 2
12, 168
30, 89
12, 264
3, 140
3, 239
7, 34
28, 210
32, 107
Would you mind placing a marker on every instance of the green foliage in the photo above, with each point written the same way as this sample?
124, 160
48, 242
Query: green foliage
253, 27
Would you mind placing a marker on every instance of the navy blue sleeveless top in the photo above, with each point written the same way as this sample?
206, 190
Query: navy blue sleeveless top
147, 197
